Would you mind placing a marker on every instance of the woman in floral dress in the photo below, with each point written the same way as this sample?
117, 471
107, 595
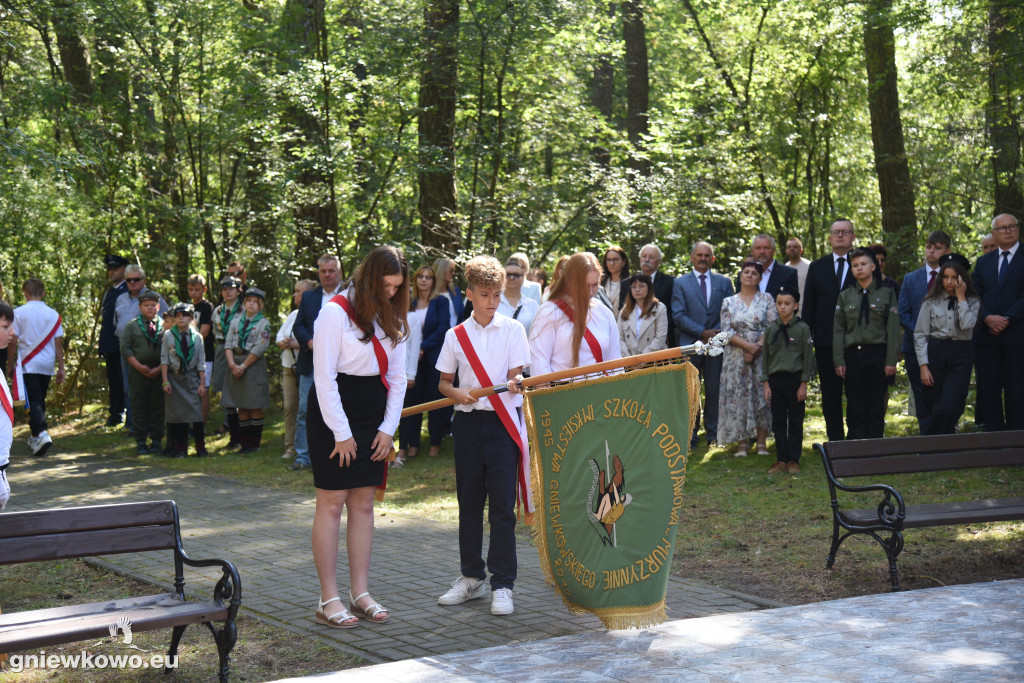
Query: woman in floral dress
743, 412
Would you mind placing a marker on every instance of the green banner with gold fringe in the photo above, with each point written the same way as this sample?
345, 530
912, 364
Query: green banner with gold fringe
608, 466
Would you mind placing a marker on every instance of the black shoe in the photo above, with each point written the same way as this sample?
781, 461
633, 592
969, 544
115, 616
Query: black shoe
203, 453
113, 420
232, 445
296, 466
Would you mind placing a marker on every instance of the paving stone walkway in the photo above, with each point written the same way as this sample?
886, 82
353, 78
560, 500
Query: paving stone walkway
266, 533
959, 634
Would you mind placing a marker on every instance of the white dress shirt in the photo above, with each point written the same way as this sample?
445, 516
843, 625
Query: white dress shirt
338, 350
846, 266
500, 347
288, 356
527, 310
763, 285
551, 338
707, 281
532, 290
412, 344
32, 322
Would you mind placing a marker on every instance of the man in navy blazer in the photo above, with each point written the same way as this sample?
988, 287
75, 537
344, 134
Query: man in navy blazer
329, 272
696, 310
777, 276
825, 278
999, 334
915, 286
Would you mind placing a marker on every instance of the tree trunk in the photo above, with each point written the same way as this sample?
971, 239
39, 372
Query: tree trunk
438, 204
602, 97
899, 223
74, 57
1003, 114
638, 85
313, 207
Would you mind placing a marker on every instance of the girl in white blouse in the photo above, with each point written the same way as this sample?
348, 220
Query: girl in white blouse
569, 331
359, 375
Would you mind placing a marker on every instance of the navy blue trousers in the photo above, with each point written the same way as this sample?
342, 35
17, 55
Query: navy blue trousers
486, 470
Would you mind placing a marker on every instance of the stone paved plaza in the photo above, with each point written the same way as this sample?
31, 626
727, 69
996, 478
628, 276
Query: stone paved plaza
266, 533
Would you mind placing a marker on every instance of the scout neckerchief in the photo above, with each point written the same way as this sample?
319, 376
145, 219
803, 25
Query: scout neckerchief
245, 327
784, 329
19, 381
595, 348
501, 404
182, 347
151, 336
382, 364
225, 320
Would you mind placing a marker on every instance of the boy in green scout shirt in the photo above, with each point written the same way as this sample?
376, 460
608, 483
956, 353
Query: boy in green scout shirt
866, 342
140, 347
787, 359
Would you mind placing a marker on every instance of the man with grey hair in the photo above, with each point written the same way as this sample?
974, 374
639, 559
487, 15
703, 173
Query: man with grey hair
650, 264
126, 309
696, 310
776, 276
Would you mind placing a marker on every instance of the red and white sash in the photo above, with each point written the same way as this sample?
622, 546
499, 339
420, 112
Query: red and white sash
5, 399
382, 364
588, 336
516, 428
18, 384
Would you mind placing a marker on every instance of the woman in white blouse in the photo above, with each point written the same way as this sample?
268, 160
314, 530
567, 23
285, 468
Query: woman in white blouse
513, 303
416, 371
614, 273
359, 376
570, 330
643, 322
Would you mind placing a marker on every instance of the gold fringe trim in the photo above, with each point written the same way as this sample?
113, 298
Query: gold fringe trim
613, 618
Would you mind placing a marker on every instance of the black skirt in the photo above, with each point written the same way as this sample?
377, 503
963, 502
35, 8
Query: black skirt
364, 400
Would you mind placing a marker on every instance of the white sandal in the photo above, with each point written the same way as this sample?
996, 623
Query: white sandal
337, 620
369, 612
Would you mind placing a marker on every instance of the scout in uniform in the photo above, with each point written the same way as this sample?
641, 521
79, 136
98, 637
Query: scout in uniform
140, 347
183, 369
787, 360
488, 435
203, 319
247, 386
223, 316
866, 344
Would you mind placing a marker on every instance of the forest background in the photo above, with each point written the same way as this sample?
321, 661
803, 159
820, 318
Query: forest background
186, 134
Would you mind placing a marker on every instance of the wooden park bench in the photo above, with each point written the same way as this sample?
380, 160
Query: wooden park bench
66, 533
882, 457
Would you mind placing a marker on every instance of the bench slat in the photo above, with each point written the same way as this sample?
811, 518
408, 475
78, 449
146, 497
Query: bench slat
871, 463
839, 450
33, 523
42, 628
86, 543
941, 514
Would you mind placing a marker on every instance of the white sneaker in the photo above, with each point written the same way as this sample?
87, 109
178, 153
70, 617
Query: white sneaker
32, 441
501, 602
43, 443
463, 589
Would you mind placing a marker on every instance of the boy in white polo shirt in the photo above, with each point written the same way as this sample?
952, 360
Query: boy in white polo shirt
38, 331
489, 436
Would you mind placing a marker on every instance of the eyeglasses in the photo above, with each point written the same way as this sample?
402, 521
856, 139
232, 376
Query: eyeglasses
513, 276
840, 233
133, 279
1006, 228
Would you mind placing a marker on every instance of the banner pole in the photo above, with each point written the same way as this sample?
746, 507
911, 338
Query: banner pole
712, 348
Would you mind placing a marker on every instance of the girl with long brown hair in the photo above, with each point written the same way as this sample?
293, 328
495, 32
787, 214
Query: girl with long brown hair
569, 331
354, 409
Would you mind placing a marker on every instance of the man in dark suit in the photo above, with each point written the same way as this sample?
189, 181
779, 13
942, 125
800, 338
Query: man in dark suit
650, 264
825, 278
915, 285
109, 347
329, 272
696, 310
999, 334
776, 276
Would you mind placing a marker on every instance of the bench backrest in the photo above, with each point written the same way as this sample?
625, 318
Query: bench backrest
924, 453
85, 531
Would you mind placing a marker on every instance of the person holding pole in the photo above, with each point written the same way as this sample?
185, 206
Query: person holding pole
489, 436
568, 331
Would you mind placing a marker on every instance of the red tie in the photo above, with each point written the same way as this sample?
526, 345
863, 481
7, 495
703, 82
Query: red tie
931, 279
